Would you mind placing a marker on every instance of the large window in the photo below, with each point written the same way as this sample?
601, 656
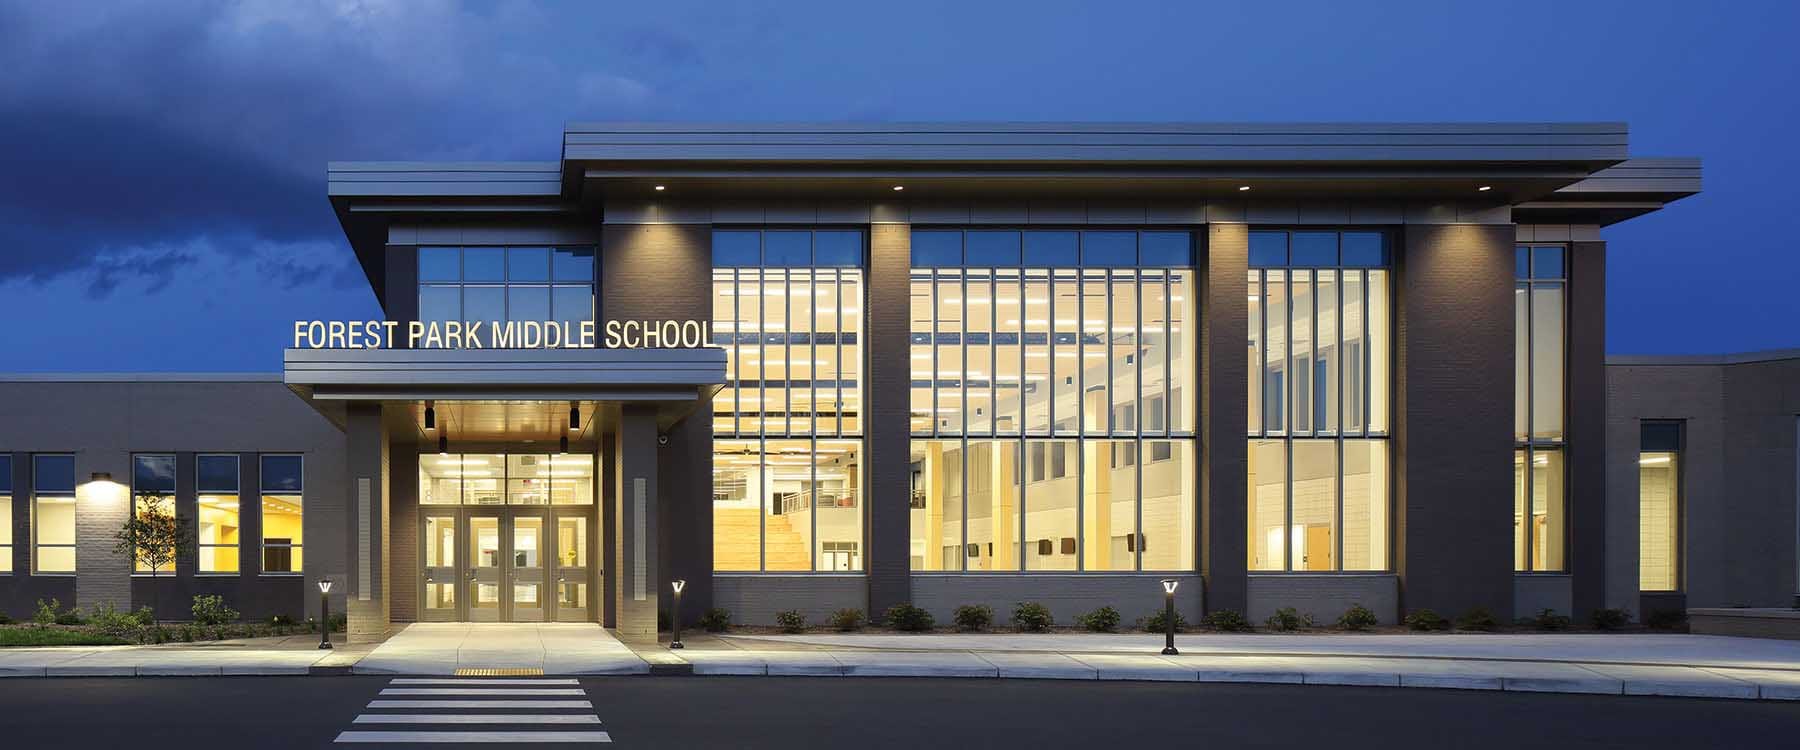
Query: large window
787, 458
220, 519
1319, 353
283, 492
6, 518
1051, 400
1659, 506
506, 479
1539, 302
500, 284
153, 490
53, 513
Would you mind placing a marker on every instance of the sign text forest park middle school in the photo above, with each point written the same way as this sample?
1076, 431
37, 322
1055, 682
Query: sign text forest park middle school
501, 334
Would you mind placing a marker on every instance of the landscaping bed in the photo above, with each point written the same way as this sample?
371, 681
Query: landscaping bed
104, 625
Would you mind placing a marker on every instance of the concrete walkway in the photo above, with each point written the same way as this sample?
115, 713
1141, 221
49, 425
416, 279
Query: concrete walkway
442, 648
1615, 664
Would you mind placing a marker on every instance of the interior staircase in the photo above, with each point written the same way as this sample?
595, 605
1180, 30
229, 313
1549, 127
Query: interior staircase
734, 541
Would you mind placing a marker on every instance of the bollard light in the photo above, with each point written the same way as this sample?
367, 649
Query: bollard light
324, 613
1169, 585
675, 613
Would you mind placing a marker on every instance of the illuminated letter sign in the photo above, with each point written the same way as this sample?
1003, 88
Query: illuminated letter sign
501, 334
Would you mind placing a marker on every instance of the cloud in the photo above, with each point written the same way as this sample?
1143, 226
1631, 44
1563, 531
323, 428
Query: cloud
150, 125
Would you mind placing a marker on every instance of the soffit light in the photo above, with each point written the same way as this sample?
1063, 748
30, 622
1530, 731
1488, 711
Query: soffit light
660, 188
443, 445
898, 188
1243, 188
1485, 188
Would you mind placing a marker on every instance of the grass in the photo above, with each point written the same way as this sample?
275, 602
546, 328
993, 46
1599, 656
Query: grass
31, 636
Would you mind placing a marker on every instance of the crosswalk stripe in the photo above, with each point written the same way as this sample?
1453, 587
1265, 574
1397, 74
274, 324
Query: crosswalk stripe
482, 691
476, 681
477, 719
479, 704
472, 737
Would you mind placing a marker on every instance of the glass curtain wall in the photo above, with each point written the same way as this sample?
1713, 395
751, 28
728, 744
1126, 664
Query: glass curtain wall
153, 488
787, 428
1051, 400
502, 284
1319, 354
6, 516
1659, 506
1540, 302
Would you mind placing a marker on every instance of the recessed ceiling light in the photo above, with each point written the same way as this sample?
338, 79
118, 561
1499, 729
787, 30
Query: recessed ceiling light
899, 187
1242, 188
1485, 188
659, 188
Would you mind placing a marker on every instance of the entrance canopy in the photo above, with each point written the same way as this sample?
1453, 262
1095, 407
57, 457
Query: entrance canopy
673, 381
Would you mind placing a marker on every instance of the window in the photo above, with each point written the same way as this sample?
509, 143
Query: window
153, 491
1045, 363
1539, 303
1319, 342
283, 504
501, 284
787, 458
53, 514
506, 479
220, 519
1659, 506
6, 517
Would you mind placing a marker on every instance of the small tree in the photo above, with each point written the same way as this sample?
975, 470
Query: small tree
153, 537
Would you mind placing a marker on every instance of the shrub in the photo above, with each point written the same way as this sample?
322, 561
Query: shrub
1548, 619
846, 620
973, 618
210, 609
1102, 620
1666, 619
1031, 617
339, 623
281, 621
1287, 619
109, 621
1357, 617
1609, 618
1222, 620
905, 616
45, 614
715, 620
71, 617
145, 616
1477, 618
5, 619
1425, 619
791, 621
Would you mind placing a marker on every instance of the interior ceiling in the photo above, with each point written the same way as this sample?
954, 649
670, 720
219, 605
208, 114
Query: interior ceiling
506, 421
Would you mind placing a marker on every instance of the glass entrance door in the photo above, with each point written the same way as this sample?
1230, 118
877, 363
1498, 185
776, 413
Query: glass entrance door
439, 601
485, 562
525, 572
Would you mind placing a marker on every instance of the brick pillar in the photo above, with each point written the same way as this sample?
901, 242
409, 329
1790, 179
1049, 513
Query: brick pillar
1224, 383
1452, 419
886, 423
1586, 491
366, 458
635, 524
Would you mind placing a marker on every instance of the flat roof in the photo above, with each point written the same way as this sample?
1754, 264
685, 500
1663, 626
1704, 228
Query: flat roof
140, 377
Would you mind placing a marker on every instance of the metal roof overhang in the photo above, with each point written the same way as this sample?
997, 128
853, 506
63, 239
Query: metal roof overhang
675, 381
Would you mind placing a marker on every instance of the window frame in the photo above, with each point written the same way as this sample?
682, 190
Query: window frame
133, 493
262, 535
550, 284
1532, 444
1286, 432
1677, 502
849, 417
199, 492
6, 494
37, 495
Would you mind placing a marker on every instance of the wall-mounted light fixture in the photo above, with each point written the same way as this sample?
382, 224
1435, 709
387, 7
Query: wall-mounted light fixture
100, 476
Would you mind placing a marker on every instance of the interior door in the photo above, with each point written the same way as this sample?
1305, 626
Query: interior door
525, 574
439, 599
485, 568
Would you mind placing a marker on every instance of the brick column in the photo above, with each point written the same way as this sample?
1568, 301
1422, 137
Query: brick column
886, 423
1453, 412
367, 590
635, 524
1224, 399
1586, 491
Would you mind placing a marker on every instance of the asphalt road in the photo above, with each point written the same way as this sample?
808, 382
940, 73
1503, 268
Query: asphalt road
690, 712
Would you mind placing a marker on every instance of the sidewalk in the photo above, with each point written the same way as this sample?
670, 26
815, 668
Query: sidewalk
289, 655
1614, 664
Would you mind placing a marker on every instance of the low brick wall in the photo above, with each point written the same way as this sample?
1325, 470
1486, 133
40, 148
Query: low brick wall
754, 599
1747, 622
1325, 597
1134, 595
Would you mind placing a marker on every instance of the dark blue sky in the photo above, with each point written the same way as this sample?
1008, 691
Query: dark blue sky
163, 203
